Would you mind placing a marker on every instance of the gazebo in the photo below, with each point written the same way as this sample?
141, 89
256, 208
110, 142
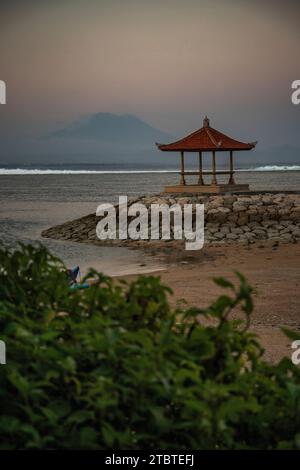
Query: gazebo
206, 139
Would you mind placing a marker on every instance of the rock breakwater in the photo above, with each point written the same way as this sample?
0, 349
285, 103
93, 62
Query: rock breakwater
228, 219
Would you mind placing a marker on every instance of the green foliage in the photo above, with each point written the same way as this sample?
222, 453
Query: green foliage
114, 366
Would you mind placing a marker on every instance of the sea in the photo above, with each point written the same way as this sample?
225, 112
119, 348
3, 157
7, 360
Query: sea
33, 198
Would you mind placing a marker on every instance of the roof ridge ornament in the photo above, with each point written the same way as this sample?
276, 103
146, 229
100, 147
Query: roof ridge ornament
206, 122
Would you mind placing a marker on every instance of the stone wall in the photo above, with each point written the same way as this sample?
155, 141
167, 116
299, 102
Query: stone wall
228, 219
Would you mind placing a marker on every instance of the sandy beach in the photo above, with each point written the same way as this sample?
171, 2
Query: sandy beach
273, 271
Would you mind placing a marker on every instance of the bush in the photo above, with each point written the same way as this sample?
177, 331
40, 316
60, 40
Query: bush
114, 366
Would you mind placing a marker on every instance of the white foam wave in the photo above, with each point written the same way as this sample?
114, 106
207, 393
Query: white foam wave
273, 168
22, 171
37, 171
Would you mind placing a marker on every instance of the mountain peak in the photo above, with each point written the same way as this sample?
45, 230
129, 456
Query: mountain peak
112, 128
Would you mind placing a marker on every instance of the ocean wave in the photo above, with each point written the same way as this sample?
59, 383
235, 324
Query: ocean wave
46, 171
273, 168
27, 171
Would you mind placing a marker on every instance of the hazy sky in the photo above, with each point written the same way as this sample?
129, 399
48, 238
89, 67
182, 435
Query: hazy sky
168, 61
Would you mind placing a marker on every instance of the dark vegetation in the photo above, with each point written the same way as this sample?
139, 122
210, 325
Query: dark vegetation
114, 366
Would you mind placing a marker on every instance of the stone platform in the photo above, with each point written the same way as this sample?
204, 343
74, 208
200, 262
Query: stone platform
206, 188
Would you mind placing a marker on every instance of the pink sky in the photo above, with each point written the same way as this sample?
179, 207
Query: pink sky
167, 61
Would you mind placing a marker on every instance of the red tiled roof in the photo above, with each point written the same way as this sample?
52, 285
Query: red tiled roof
206, 139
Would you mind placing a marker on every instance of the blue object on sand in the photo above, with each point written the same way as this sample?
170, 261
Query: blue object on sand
72, 276
73, 273
75, 286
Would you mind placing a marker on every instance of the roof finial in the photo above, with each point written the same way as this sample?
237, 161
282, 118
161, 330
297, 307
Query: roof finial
206, 122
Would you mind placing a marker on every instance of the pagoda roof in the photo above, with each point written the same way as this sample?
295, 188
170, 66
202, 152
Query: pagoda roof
206, 139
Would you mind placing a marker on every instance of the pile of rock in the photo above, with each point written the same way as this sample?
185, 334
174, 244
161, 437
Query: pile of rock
228, 219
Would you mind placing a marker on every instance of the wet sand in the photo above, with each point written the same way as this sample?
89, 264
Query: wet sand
273, 271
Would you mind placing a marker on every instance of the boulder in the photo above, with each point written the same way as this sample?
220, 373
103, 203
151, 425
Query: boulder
232, 236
